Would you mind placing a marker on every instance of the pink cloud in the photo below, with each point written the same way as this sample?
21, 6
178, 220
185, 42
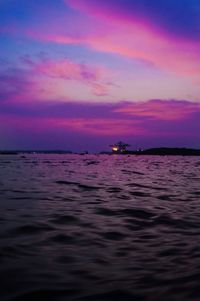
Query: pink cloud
99, 89
138, 41
103, 27
68, 70
57, 37
104, 127
156, 121
90, 126
138, 38
111, 31
171, 110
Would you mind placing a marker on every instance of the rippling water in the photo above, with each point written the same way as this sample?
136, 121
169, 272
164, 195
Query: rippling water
99, 227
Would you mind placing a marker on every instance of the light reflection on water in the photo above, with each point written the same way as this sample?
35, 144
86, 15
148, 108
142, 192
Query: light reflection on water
99, 227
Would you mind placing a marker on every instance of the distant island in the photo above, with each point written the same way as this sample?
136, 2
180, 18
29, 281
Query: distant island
121, 148
166, 151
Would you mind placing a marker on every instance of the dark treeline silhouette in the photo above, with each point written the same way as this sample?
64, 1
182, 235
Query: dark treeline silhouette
160, 151
167, 151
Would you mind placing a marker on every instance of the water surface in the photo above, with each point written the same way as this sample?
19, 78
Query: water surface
99, 227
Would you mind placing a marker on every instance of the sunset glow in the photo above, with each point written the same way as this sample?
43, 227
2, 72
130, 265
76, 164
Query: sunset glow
81, 74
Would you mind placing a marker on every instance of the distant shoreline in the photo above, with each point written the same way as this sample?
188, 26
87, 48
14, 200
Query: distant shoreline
161, 151
167, 151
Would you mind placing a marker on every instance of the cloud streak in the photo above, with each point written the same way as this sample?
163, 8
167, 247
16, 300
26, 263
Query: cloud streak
170, 110
107, 119
140, 35
170, 16
68, 70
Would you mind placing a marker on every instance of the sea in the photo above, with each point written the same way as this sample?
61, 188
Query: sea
99, 227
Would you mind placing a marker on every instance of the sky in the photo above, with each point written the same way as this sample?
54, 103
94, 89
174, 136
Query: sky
83, 74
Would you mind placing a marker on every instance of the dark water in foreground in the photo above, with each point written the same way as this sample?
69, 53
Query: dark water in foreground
99, 228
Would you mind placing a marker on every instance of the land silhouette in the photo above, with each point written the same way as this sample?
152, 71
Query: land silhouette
160, 151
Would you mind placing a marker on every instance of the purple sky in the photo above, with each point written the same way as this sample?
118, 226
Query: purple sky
83, 74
